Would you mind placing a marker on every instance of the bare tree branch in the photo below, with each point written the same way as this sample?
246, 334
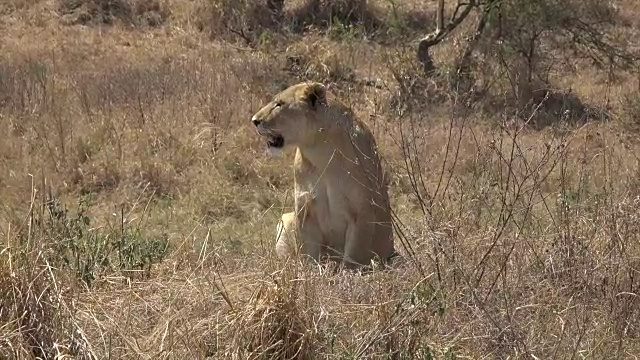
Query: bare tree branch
442, 31
440, 16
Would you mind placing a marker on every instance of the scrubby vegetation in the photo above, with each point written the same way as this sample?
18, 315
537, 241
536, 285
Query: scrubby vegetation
139, 208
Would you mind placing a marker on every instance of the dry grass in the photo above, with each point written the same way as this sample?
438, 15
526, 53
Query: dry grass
138, 207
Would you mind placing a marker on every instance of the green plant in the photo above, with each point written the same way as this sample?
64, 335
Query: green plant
90, 252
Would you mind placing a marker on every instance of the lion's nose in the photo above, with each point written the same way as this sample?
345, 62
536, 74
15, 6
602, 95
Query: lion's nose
256, 121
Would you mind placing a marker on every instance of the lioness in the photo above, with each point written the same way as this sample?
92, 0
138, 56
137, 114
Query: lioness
341, 201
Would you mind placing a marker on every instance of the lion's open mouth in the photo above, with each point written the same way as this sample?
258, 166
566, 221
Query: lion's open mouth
275, 141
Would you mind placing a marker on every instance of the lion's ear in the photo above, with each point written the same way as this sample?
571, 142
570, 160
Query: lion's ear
315, 94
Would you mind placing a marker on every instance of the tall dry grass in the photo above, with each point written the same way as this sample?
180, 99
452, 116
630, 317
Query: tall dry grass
138, 208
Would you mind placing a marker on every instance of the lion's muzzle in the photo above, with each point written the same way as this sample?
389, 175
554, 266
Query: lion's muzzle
256, 121
274, 140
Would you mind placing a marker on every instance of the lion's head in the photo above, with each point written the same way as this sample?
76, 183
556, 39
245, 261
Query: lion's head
290, 118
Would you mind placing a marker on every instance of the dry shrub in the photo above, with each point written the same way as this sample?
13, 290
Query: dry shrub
26, 84
130, 12
233, 19
630, 103
37, 310
156, 177
276, 321
256, 22
151, 12
323, 14
9, 7
95, 178
381, 21
413, 91
318, 61
515, 54
554, 220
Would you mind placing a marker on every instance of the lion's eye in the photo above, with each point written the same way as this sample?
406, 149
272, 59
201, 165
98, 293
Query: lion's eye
279, 103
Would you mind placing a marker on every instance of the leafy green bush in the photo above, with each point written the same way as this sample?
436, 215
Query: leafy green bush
90, 252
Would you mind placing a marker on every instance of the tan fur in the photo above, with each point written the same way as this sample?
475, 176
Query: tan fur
341, 201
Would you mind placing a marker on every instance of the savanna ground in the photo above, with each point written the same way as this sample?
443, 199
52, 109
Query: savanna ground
139, 207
